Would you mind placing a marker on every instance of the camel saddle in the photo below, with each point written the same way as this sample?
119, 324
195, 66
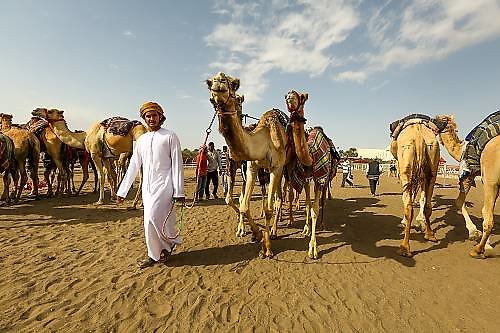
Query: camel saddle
119, 125
437, 126
477, 140
320, 149
6, 153
36, 125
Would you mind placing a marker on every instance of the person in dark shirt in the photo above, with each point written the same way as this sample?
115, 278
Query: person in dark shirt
373, 175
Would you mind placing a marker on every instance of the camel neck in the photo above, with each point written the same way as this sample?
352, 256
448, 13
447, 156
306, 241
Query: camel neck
230, 127
452, 144
72, 139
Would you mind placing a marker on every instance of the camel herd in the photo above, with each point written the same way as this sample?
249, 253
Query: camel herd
278, 143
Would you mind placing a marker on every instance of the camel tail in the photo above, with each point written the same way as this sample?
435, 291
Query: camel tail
421, 167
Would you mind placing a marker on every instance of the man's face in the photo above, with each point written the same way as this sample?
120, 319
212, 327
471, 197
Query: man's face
211, 147
152, 119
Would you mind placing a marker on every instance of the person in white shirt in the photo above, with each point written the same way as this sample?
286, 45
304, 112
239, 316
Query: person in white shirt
159, 154
346, 173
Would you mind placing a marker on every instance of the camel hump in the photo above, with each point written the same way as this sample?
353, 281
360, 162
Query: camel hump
276, 121
434, 125
119, 125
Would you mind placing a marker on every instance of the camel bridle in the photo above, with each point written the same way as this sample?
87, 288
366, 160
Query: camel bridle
220, 108
294, 113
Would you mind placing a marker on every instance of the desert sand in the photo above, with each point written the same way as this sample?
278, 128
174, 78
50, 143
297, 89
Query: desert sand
67, 266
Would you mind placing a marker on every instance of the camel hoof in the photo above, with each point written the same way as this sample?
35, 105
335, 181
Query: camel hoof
273, 236
257, 237
405, 252
266, 254
475, 236
98, 203
476, 255
313, 254
431, 238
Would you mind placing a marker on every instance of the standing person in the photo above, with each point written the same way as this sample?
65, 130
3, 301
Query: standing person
212, 173
223, 170
373, 175
201, 172
346, 173
159, 154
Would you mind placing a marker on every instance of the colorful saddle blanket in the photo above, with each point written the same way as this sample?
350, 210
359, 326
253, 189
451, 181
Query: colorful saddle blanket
320, 149
6, 153
478, 138
119, 125
37, 125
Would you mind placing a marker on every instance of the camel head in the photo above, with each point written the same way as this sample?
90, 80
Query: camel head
6, 118
55, 114
39, 112
451, 125
222, 87
295, 101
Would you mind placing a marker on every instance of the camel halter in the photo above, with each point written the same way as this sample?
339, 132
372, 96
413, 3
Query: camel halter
294, 113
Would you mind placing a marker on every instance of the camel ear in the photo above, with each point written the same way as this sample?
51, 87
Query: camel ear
235, 84
209, 83
242, 98
304, 97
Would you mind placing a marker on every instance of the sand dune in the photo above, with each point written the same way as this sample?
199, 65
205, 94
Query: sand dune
70, 267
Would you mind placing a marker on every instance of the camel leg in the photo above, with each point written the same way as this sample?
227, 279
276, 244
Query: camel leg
297, 201
429, 189
274, 183
313, 251
474, 234
278, 204
328, 188
23, 179
420, 219
322, 207
307, 226
84, 163
33, 172
139, 191
490, 197
264, 194
404, 248
290, 206
6, 187
230, 186
46, 176
245, 206
111, 175
100, 175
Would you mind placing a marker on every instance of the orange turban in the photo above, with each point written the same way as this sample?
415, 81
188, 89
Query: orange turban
151, 106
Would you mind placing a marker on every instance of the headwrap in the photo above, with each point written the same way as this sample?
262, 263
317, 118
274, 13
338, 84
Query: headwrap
152, 106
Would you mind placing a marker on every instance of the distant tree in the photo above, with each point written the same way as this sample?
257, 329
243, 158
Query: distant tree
351, 152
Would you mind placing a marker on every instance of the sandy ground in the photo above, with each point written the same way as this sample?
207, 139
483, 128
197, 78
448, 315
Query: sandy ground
68, 266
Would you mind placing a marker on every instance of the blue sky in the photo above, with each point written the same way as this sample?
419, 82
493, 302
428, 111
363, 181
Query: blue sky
363, 63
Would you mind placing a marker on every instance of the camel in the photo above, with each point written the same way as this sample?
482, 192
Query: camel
97, 139
233, 165
8, 165
26, 147
490, 175
264, 147
81, 156
304, 151
94, 140
417, 151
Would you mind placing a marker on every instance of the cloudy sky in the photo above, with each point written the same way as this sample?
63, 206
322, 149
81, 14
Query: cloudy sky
363, 63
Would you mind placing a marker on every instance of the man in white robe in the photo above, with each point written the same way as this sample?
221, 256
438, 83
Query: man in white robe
159, 154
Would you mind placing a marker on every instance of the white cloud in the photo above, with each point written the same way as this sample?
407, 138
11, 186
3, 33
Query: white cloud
428, 30
128, 34
297, 41
300, 36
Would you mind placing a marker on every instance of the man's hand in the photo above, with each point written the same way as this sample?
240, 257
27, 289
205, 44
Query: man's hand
180, 201
119, 200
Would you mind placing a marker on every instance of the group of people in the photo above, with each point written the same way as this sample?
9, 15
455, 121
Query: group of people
210, 164
373, 174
